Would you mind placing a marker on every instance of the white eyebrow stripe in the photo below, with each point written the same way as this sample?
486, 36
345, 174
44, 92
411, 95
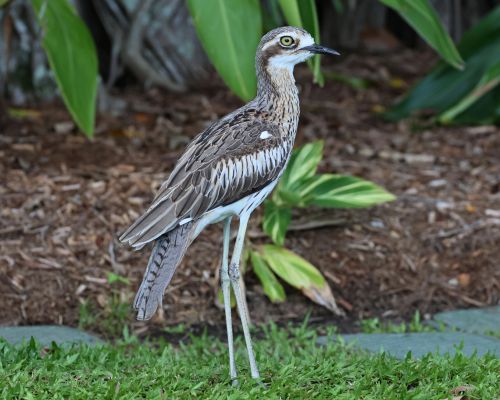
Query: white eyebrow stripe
268, 44
265, 135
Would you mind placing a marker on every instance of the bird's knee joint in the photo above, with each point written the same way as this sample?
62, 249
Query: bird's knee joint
224, 275
234, 272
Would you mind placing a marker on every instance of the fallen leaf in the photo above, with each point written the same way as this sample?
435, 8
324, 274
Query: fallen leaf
464, 279
143, 118
324, 297
470, 208
378, 109
462, 389
102, 300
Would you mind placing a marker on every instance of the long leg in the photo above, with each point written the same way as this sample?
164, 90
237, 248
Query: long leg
224, 276
234, 275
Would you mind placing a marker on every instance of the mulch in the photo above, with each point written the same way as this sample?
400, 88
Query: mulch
65, 200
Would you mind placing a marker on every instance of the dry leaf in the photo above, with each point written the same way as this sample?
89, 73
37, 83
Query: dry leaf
464, 279
462, 389
324, 297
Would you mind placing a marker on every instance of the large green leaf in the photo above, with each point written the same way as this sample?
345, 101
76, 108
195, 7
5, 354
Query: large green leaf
303, 13
272, 288
291, 11
301, 187
302, 165
271, 15
489, 81
72, 57
275, 222
230, 32
300, 274
340, 191
445, 87
292, 268
424, 19
309, 16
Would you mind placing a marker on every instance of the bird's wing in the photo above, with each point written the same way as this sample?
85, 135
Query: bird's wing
233, 158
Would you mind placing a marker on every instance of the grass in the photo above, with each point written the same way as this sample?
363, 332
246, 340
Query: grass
115, 316
292, 366
374, 325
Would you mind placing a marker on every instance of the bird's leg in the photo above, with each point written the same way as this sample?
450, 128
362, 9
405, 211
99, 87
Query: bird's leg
234, 276
225, 282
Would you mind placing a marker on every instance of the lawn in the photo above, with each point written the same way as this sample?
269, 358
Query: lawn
292, 367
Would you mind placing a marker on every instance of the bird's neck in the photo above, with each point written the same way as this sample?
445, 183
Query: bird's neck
275, 81
277, 93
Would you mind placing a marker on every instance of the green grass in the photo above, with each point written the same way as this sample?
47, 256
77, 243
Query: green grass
374, 325
115, 316
292, 366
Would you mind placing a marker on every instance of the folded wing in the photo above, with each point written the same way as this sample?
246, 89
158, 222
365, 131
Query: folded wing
232, 159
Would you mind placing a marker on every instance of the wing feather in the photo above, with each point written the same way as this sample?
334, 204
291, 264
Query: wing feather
222, 165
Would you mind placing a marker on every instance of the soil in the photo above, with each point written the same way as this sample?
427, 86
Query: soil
65, 200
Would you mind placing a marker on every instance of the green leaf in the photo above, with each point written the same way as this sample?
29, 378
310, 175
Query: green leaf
301, 187
292, 268
271, 15
230, 32
300, 274
286, 198
72, 57
3, 2
310, 22
340, 191
423, 18
71, 358
488, 82
232, 299
302, 165
272, 288
291, 11
445, 87
112, 278
303, 13
275, 222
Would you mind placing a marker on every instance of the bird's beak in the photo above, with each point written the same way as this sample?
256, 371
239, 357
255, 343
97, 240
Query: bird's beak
317, 49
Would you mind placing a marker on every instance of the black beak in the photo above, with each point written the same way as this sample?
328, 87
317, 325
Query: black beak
317, 49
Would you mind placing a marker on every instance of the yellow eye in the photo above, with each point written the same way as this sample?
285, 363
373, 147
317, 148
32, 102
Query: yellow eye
287, 41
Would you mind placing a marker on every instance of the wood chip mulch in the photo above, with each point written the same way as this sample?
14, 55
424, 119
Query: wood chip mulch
64, 200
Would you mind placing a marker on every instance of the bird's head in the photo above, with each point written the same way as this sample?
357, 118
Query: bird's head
286, 46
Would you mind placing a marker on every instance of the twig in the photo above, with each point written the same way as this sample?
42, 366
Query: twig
466, 230
304, 225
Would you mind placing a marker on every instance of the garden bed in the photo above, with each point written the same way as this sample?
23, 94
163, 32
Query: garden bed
65, 200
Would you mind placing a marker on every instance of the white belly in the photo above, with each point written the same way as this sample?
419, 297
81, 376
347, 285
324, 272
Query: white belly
242, 207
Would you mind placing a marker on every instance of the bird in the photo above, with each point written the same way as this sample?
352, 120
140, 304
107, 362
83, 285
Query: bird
226, 172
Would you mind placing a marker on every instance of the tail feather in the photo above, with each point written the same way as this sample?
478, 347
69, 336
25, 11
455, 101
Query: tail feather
166, 256
150, 225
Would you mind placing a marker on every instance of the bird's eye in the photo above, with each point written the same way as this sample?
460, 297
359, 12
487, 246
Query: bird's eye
287, 41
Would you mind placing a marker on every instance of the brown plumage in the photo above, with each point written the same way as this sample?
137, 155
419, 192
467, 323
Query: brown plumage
226, 171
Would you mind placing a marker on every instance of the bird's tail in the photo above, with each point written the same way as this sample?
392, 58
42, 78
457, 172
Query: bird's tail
166, 256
